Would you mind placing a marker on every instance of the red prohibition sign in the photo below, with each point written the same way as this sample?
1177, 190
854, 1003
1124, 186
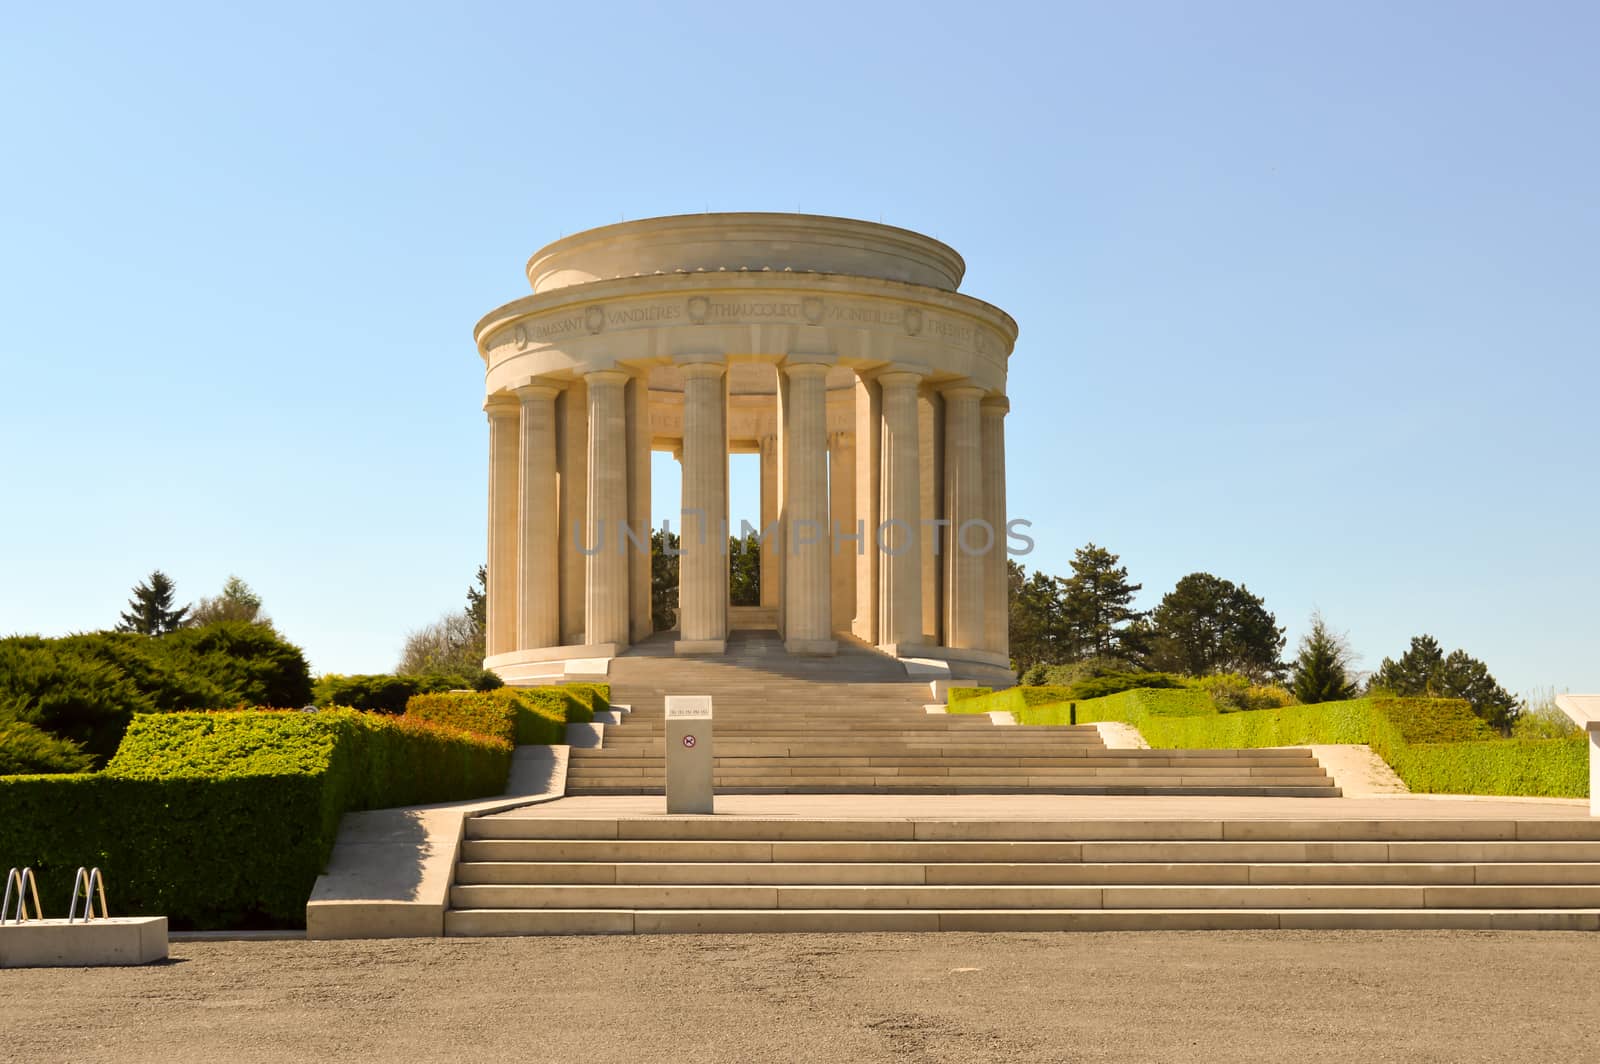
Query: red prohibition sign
688, 740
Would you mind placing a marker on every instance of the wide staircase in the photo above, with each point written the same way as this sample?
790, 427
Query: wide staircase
528, 874
855, 723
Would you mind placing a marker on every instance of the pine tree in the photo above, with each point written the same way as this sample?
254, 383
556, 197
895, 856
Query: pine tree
1096, 605
1206, 624
1425, 670
150, 610
1321, 671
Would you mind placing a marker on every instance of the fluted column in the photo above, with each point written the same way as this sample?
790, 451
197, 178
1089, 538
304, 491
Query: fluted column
806, 543
500, 636
842, 515
703, 567
964, 543
900, 513
538, 589
771, 550
996, 589
605, 596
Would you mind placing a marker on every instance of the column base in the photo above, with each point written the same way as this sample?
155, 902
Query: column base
700, 646
817, 648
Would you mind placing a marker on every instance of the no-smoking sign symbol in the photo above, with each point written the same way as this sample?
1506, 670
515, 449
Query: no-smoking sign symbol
688, 740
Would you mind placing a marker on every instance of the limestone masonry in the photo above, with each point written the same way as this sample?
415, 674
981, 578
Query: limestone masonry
838, 350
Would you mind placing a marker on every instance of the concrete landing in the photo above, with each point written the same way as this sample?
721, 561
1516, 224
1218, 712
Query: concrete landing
390, 873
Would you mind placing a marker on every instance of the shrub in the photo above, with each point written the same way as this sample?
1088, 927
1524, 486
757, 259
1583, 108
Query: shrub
72, 697
225, 819
1112, 683
26, 749
86, 688
961, 694
1233, 692
251, 663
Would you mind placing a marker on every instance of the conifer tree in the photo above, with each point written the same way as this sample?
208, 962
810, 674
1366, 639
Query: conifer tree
1096, 605
1322, 669
150, 610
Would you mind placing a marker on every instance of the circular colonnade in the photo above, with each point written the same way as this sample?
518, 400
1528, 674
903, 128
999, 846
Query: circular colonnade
838, 350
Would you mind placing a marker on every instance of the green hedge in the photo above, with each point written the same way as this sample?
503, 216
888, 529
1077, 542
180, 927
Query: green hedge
226, 819
1184, 720
1132, 707
522, 715
389, 693
961, 694
595, 696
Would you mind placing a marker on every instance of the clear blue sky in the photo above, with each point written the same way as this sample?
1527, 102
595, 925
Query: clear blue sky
1309, 296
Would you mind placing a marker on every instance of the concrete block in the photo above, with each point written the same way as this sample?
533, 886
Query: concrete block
120, 940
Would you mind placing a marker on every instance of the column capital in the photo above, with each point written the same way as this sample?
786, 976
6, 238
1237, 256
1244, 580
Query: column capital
995, 406
961, 390
806, 370
502, 404
899, 378
606, 377
537, 389
701, 370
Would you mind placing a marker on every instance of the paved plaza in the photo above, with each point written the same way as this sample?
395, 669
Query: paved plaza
1195, 996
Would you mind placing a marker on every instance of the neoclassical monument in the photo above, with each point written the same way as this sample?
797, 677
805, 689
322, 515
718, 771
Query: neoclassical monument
839, 350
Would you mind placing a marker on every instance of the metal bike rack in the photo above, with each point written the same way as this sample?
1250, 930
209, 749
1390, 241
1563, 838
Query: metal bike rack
89, 882
25, 885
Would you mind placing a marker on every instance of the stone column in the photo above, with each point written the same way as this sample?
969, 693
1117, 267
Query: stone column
501, 608
639, 566
806, 546
965, 537
538, 575
703, 566
869, 446
900, 513
605, 595
842, 510
771, 552
996, 587
572, 469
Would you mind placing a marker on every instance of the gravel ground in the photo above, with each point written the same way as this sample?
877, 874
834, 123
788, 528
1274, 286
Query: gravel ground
1235, 996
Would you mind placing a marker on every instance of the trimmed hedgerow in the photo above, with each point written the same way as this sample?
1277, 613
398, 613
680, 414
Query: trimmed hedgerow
961, 694
523, 715
1554, 768
492, 713
596, 696
389, 693
225, 819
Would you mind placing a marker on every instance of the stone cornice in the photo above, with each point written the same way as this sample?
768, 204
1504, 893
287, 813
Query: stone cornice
682, 300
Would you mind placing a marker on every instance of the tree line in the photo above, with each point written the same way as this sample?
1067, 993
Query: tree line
1085, 624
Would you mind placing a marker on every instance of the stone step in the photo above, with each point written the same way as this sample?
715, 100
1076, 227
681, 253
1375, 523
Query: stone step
586, 758
755, 921
1050, 873
800, 850
888, 784
1033, 896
